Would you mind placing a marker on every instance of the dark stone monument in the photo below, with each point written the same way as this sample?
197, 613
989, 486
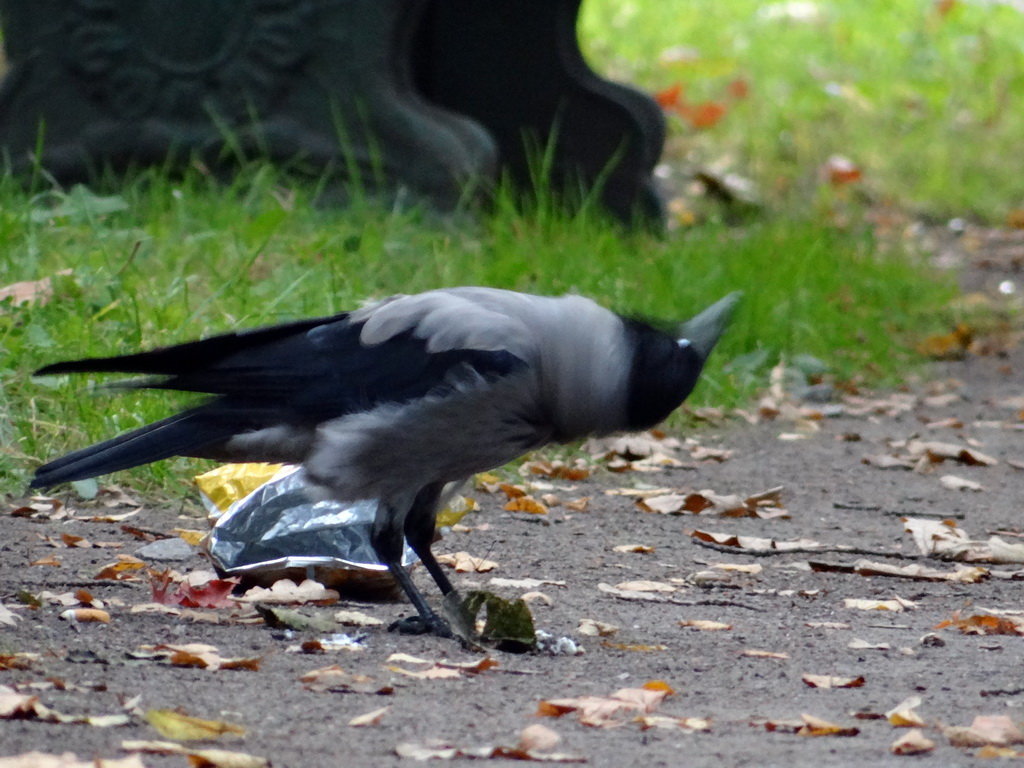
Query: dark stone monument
97, 83
327, 86
516, 67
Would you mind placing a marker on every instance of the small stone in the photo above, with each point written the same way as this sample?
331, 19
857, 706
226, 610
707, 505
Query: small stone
166, 549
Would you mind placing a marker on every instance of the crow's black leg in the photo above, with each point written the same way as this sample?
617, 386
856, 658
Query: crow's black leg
419, 532
387, 540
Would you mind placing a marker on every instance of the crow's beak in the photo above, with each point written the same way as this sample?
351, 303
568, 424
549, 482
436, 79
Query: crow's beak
702, 331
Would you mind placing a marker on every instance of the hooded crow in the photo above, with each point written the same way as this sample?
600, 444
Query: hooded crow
394, 400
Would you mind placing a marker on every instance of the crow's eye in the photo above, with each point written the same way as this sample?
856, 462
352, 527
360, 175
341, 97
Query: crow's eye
683, 343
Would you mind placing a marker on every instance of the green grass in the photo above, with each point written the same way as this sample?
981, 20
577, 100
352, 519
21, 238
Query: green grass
930, 106
166, 262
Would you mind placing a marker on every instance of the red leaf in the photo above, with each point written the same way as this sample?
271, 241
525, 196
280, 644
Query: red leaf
671, 97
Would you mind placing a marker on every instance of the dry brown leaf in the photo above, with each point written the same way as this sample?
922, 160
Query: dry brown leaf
751, 568
643, 585
122, 569
286, 591
67, 760
641, 549
913, 742
945, 539
198, 758
36, 292
954, 483
608, 711
705, 625
463, 562
985, 730
885, 461
201, 656
936, 452
832, 681
357, 619
527, 583
863, 645
172, 724
903, 714
815, 726
594, 628
896, 605
755, 543
537, 737
673, 723
760, 654
435, 749
557, 470
962, 574
333, 678
527, 504
373, 717
984, 624
438, 670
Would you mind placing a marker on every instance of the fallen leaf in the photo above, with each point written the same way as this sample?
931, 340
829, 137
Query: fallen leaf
815, 726
67, 760
201, 656
948, 346
984, 624
526, 504
937, 452
757, 544
440, 669
172, 724
903, 714
645, 586
863, 645
751, 568
594, 628
984, 730
896, 605
832, 681
537, 737
373, 717
50, 560
673, 723
840, 171
357, 619
913, 742
463, 562
498, 581
705, 625
641, 549
337, 680
198, 758
557, 470
287, 591
36, 292
607, 711
759, 654
122, 569
443, 750
954, 483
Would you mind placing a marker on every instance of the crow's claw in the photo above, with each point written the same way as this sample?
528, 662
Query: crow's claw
418, 625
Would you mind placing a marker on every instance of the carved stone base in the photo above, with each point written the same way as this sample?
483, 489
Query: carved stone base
325, 83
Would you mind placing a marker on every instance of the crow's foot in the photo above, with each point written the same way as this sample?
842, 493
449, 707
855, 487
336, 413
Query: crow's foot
419, 625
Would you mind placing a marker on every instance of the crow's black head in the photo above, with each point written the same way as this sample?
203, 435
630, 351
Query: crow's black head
665, 369
664, 373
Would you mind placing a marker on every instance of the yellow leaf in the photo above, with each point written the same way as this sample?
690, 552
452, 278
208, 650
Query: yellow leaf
172, 724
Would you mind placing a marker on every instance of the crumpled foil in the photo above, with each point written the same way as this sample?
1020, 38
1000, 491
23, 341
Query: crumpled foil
280, 529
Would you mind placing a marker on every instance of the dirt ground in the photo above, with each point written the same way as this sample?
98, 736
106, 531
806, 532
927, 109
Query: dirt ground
794, 612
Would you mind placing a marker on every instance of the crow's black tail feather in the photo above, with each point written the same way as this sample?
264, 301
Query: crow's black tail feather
182, 434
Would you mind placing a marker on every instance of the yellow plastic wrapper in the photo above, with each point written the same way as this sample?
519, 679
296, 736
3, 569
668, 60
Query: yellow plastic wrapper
226, 484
